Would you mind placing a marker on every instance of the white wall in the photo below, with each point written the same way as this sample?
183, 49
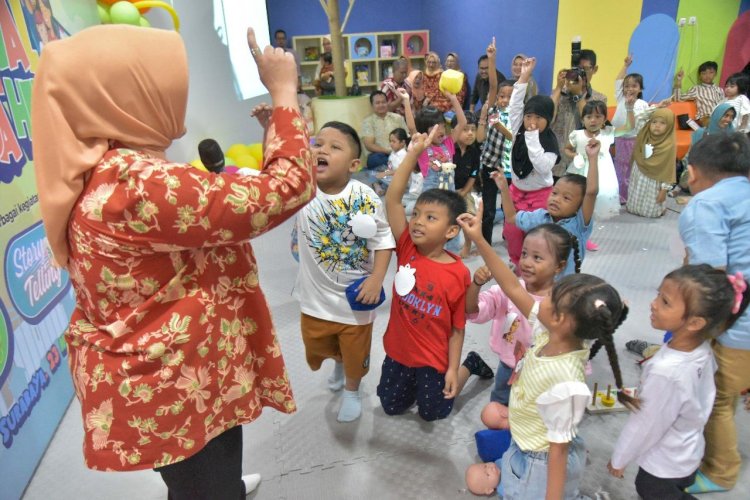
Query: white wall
213, 108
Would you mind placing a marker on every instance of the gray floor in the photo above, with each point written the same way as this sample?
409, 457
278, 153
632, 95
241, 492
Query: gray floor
309, 455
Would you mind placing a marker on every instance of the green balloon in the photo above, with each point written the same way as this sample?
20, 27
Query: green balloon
125, 13
103, 13
144, 22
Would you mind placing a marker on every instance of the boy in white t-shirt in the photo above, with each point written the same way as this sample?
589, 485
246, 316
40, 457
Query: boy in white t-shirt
343, 237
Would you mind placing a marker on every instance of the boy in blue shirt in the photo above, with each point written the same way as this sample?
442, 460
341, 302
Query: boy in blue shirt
570, 204
715, 227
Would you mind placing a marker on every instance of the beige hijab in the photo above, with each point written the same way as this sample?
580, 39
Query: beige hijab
106, 83
660, 166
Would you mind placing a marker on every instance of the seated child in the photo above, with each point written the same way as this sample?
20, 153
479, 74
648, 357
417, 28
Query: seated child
571, 204
706, 94
425, 332
677, 389
737, 90
398, 140
546, 458
335, 251
544, 255
466, 159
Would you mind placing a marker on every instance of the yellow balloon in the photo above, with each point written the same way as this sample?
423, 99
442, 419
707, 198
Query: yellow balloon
246, 161
163, 5
256, 150
236, 150
197, 163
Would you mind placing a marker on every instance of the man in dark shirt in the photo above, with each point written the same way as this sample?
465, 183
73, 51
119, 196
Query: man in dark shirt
482, 82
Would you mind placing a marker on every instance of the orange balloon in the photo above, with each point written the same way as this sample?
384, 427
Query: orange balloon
108, 2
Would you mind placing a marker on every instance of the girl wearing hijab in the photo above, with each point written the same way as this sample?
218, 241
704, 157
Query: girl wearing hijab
534, 153
654, 170
171, 343
515, 71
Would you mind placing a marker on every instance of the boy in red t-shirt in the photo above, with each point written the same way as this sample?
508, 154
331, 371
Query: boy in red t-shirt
425, 332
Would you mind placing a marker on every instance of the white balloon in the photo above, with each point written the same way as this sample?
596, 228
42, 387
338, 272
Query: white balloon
405, 280
363, 225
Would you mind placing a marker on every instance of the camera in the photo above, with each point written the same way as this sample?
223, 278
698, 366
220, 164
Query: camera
575, 51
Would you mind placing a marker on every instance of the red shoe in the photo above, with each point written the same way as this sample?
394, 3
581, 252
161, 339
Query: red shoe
591, 246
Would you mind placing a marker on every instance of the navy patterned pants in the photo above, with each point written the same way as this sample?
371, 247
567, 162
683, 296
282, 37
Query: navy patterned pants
401, 386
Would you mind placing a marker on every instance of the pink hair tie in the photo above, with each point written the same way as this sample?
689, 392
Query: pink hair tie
739, 285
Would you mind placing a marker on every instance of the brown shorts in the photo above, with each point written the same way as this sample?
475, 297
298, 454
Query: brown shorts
347, 343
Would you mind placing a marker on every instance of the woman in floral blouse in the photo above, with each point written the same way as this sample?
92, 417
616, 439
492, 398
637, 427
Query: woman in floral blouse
171, 343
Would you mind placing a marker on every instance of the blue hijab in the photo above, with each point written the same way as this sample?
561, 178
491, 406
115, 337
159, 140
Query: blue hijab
713, 123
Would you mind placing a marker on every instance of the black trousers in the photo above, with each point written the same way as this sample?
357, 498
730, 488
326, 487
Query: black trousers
214, 473
656, 488
489, 202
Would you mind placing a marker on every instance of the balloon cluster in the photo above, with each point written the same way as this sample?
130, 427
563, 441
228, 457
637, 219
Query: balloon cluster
238, 156
131, 12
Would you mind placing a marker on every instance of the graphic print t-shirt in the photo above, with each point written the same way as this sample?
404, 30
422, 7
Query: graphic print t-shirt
331, 256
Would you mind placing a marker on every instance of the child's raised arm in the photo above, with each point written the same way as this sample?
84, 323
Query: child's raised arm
472, 226
624, 70
460, 116
408, 114
394, 208
506, 200
592, 180
491, 57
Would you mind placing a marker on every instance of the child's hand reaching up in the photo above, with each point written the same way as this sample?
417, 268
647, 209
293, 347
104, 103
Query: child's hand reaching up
482, 275
527, 66
472, 224
403, 94
628, 61
593, 147
492, 50
500, 179
262, 112
419, 142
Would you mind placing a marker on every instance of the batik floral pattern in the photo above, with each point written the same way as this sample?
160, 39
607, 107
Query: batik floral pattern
171, 342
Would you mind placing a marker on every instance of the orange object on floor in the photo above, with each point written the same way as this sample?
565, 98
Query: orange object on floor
683, 136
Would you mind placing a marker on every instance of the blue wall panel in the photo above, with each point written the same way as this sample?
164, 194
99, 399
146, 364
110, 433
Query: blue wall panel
306, 17
668, 7
456, 27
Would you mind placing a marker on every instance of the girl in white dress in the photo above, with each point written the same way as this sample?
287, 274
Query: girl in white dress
596, 126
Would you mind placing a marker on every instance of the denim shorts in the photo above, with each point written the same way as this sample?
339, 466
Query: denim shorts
501, 390
524, 473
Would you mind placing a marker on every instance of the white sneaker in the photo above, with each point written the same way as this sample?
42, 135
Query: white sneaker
251, 482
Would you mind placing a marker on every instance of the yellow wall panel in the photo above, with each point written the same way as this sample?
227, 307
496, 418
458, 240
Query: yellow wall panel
605, 27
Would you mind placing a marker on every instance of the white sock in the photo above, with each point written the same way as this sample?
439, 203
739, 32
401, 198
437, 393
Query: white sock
251, 482
336, 380
351, 406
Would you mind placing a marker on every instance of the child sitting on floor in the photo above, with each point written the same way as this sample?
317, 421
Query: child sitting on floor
546, 458
706, 94
425, 332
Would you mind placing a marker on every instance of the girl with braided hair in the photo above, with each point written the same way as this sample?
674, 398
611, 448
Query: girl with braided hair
548, 395
677, 389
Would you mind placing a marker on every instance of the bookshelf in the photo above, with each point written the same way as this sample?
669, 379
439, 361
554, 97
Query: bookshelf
369, 57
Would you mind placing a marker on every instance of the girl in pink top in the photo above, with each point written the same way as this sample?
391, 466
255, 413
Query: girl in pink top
545, 252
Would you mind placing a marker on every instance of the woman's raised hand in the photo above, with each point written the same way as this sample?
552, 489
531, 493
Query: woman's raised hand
277, 70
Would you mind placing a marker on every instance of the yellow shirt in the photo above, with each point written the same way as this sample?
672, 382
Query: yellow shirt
537, 375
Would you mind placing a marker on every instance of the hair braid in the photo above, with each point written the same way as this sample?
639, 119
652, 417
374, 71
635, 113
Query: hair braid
576, 252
